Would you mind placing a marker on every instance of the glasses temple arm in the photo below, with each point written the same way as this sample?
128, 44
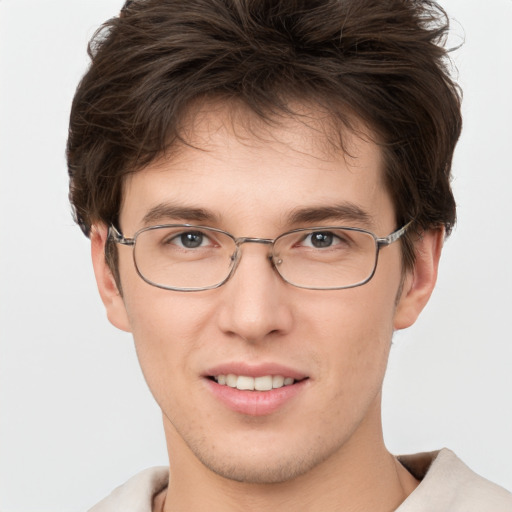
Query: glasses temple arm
115, 235
393, 237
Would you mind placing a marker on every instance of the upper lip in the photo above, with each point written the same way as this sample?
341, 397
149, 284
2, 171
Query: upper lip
254, 370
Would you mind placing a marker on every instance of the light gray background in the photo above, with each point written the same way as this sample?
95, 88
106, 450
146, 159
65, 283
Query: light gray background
76, 417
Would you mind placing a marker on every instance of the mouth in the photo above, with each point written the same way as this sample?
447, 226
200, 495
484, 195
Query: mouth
248, 383
256, 390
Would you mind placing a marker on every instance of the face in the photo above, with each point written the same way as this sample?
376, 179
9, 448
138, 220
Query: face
333, 344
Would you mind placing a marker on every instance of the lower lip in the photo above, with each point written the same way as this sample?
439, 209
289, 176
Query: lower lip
255, 403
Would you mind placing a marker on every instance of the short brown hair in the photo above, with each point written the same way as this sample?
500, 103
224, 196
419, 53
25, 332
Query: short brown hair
383, 60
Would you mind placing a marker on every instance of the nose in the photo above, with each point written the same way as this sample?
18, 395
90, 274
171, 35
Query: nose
255, 303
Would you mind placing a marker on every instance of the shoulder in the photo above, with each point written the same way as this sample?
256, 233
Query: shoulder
448, 484
136, 495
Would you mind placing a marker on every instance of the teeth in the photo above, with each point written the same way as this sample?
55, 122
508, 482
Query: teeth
277, 381
243, 382
263, 383
231, 380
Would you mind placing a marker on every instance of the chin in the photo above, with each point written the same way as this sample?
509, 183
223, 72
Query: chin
264, 466
265, 473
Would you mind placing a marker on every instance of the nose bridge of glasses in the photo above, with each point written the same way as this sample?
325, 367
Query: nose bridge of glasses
252, 240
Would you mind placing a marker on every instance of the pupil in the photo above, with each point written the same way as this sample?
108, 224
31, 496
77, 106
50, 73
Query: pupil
191, 240
321, 239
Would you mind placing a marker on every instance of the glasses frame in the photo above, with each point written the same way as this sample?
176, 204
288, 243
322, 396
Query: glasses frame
117, 236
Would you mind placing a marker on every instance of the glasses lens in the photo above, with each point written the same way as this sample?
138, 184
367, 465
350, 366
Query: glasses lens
327, 258
184, 257
196, 258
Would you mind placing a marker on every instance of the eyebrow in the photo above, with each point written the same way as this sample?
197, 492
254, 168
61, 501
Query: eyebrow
168, 211
344, 212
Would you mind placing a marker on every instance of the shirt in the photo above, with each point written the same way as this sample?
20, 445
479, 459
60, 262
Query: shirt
447, 485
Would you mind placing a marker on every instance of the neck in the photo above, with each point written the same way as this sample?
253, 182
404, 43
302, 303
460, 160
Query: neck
361, 475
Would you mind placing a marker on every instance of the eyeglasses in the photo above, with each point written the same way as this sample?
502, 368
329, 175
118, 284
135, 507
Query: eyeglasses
184, 257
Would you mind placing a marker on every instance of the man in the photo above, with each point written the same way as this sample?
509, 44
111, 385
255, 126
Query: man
266, 189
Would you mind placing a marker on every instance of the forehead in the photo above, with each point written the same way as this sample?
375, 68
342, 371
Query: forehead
232, 162
304, 128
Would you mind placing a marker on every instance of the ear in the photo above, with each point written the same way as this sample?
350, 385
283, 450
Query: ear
110, 295
421, 279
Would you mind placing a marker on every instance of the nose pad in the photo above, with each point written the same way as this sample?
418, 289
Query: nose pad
275, 260
234, 260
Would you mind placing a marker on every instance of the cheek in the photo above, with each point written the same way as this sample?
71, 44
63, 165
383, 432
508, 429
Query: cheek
351, 332
168, 328
357, 316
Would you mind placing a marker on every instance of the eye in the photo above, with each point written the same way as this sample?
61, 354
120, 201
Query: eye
322, 239
190, 240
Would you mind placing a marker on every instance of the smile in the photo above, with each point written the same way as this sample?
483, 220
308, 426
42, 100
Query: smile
247, 383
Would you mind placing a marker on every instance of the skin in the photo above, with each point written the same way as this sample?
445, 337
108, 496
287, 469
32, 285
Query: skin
323, 450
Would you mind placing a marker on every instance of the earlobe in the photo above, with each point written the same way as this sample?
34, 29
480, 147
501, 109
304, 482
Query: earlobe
110, 295
421, 279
